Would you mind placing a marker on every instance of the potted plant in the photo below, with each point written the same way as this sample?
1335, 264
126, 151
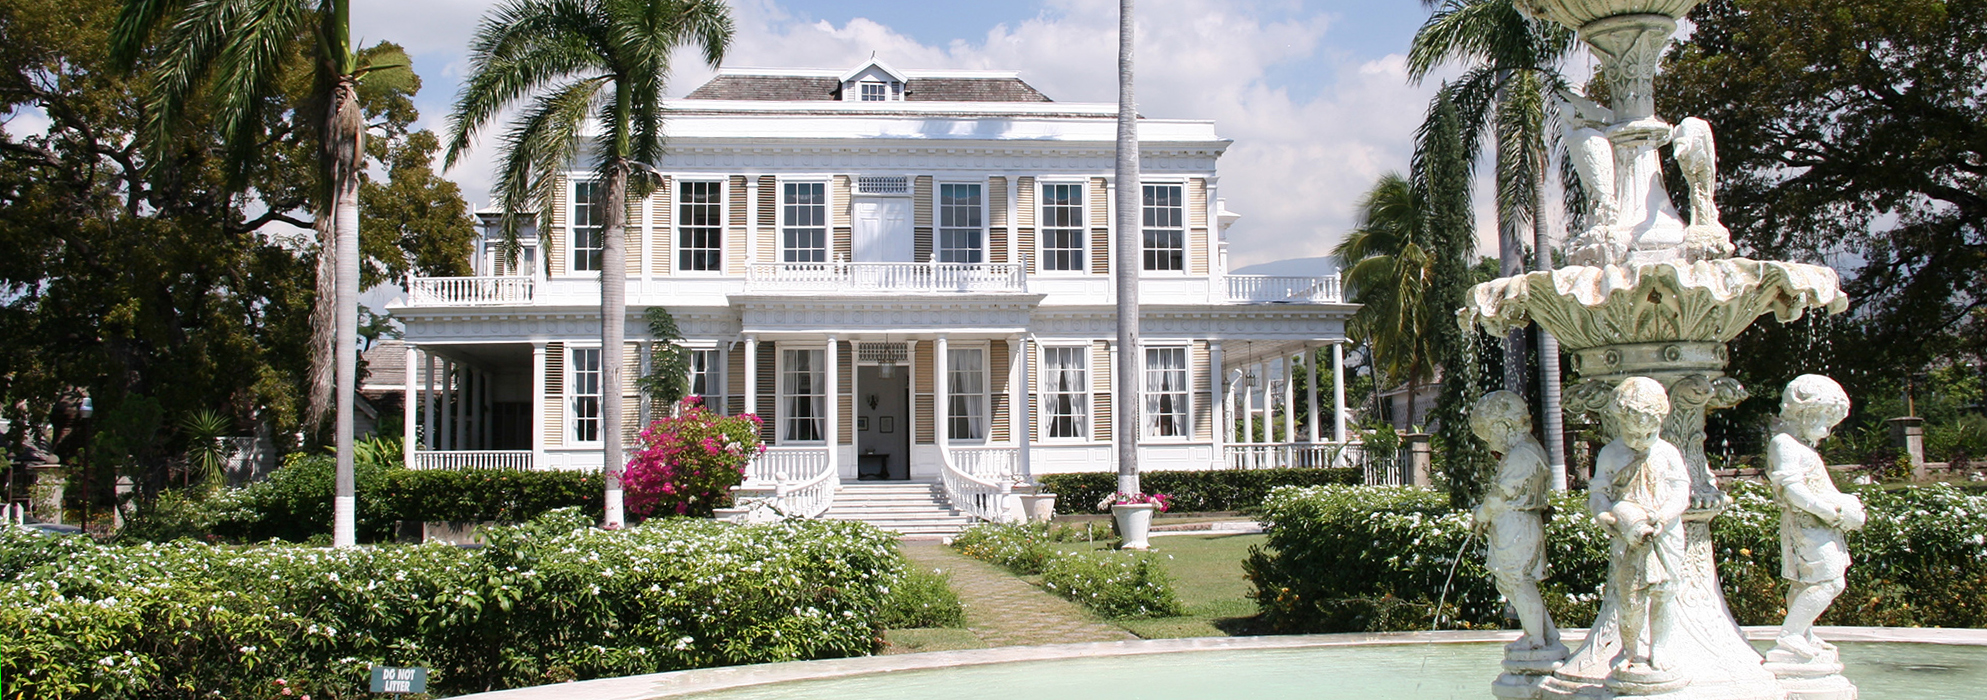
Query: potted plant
1133, 514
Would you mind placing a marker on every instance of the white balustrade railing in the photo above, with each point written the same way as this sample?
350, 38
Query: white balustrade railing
458, 291
473, 459
982, 495
803, 484
1275, 288
1296, 455
885, 277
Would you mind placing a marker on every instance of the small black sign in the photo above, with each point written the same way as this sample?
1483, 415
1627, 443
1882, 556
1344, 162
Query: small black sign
387, 679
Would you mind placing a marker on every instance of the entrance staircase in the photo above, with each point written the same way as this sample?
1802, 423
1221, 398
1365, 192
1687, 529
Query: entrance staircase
910, 508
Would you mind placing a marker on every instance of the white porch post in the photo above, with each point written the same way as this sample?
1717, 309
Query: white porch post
1311, 399
1249, 404
429, 401
409, 407
1217, 381
1338, 392
1026, 405
1289, 399
537, 404
834, 435
752, 375
941, 384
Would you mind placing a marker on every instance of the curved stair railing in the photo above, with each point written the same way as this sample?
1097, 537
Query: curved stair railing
979, 481
801, 482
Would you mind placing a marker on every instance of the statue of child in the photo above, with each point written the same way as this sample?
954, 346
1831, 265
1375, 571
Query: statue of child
1640, 490
1511, 511
1814, 555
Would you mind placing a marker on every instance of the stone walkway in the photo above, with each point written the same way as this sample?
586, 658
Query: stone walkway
1003, 610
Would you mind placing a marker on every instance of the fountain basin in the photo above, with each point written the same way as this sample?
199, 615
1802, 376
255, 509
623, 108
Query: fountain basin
1886, 663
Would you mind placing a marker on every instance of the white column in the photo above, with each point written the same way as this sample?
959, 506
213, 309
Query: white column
1338, 392
1311, 406
834, 405
409, 407
1249, 403
429, 402
752, 375
1229, 415
1289, 399
1025, 405
1217, 381
538, 403
941, 384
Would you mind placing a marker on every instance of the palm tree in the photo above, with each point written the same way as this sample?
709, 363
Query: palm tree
1129, 261
575, 61
237, 52
1512, 76
1388, 269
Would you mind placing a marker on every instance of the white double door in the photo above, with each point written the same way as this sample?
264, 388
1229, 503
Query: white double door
883, 230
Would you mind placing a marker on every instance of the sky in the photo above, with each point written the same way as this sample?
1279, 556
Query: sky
1314, 93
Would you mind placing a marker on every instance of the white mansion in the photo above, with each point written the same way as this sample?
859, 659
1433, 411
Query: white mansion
905, 273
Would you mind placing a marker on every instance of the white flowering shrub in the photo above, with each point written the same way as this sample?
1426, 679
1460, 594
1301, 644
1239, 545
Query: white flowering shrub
1115, 584
1372, 558
548, 601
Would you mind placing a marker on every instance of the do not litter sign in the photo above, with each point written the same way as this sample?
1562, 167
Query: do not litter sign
387, 679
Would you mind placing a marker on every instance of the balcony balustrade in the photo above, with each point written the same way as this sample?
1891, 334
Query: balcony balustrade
1270, 289
470, 291
890, 278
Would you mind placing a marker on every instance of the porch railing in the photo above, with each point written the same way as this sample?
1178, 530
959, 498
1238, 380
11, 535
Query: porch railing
896, 278
1296, 455
1244, 289
473, 459
470, 291
803, 484
978, 480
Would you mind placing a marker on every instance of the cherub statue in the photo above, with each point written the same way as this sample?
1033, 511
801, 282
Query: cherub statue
1814, 555
1511, 511
1640, 490
1697, 156
1592, 155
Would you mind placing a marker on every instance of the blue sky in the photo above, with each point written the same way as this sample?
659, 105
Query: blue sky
1313, 93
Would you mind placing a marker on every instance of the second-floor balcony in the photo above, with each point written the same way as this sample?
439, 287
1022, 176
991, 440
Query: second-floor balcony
470, 291
885, 277
1273, 289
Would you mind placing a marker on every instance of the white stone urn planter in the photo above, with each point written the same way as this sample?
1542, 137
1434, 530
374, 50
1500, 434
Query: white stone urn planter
1039, 507
1134, 524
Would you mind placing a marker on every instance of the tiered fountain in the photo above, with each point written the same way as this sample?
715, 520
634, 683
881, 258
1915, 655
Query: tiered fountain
1648, 295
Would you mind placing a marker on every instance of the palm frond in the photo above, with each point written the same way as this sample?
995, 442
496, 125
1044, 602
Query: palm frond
520, 49
541, 143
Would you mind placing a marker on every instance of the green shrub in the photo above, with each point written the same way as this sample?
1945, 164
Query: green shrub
1115, 584
500, 495
1378, 558
922, 598
549, 601
1191, 491
1022, 549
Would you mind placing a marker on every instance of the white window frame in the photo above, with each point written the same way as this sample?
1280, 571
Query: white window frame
676, 223
882, 91
573, 227
938, 206
1042, 228
1185, 393
1186, 251
985, 394
1085, 402
573, 395
826, 226
713, 376
781, 395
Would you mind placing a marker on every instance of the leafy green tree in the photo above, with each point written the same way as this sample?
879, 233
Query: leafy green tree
1388, 268
575, 65
668, 380
1442, 171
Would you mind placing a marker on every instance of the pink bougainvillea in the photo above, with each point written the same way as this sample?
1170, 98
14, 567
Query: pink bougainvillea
687, 463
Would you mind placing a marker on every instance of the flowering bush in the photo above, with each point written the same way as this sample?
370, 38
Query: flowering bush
1136, 499
552, 600
1115, 584
1380, 558
688, 462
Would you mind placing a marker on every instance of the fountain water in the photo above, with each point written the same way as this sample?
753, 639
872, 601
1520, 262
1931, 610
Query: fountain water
1649, 295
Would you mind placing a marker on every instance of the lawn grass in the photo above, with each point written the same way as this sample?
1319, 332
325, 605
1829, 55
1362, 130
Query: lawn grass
911, 641
1207, 575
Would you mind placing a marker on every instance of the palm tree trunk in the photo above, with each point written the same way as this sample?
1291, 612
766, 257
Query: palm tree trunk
345, 141
613, 326
1554, 421
1128, 261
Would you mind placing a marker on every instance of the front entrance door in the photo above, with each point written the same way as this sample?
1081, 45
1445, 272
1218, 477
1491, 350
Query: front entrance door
883, 229
883, 426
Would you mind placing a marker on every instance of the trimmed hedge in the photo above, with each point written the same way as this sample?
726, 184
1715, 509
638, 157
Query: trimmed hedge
1114, 584
546, 602
1342, 559
1192, 491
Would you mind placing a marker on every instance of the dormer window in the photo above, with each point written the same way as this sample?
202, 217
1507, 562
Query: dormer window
874, 92
872, 82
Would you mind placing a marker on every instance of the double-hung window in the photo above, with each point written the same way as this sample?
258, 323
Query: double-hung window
960, 211
588, 237
1165, 236
704, 375
967, 389
1065, 371
1062, 227
874, 92
1166, 392
586, 394
805, 394
804, 222
700, 226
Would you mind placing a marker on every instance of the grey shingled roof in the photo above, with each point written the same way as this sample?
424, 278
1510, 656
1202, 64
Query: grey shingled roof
782, 88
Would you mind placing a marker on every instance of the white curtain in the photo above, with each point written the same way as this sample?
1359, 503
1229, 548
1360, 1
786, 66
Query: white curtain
968, 388
1166, 392
1063, 369
805, 396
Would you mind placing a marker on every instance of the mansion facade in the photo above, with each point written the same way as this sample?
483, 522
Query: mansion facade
906, 274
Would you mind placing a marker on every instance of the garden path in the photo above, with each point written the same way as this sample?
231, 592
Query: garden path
1003, 610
